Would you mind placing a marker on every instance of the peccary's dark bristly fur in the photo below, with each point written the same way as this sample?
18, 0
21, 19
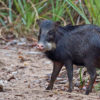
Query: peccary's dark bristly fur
79, 45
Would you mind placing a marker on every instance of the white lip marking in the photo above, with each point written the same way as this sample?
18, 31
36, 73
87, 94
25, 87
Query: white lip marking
51, 46
48, 46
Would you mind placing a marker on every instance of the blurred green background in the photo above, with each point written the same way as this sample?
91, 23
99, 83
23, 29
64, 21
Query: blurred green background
21, 15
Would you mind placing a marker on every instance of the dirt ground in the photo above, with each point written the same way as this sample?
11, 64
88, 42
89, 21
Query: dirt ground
24, 75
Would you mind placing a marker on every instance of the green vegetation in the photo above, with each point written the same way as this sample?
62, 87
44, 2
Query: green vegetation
23, 13
97, 87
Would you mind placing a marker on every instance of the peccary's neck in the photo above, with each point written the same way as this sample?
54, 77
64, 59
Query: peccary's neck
56, 55
51, 55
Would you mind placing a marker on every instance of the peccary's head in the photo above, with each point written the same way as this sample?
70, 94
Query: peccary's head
46, 37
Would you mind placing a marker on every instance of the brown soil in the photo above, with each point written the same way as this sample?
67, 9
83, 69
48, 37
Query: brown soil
24, 75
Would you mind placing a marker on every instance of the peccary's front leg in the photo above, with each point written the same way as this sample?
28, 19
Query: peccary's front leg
56, 69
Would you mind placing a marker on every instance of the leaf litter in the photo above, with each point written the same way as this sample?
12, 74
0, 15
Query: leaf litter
25, 73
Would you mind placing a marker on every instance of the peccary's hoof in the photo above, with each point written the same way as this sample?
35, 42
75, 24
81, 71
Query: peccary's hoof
49, 88
87, 92
1, 88
69, 90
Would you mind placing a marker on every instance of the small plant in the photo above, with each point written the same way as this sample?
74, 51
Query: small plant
97, 87
94, 10
81, 81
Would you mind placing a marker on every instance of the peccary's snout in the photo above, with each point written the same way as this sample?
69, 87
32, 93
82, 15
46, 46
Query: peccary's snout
40, 46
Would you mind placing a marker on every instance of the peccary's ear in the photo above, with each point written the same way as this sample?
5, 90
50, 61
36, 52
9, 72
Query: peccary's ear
57, 23
38, 21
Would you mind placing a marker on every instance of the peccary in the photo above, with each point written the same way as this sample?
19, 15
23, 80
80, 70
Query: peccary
68, 45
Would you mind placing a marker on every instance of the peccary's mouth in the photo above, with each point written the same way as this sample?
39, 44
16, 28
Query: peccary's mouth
47, 47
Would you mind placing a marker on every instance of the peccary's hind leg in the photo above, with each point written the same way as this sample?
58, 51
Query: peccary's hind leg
69, 68
56, 69
92, 71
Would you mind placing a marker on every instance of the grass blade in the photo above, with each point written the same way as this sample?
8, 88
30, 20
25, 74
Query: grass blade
3, 23
10, 12
78, 10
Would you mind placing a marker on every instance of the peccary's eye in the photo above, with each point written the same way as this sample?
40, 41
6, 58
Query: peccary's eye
50, 36
39, 37
50, 32
39, 34
40, 31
